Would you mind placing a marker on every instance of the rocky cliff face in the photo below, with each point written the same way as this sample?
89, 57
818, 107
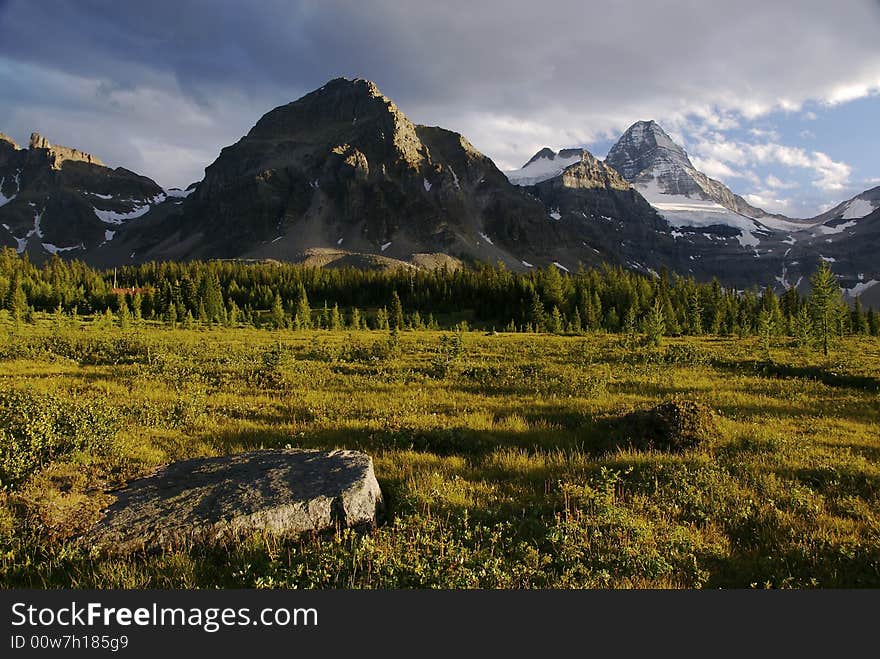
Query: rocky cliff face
56, 154
58, 200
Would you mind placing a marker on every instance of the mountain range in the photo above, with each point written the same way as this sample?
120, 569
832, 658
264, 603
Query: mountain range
342, 177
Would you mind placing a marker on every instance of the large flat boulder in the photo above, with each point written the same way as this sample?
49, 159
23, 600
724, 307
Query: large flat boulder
214, 500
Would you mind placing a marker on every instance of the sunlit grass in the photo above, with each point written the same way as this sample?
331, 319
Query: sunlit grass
495, 461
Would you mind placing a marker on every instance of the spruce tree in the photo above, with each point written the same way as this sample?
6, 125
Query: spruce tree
536, 312
695, 314
137, 305
233, 314
16, 300
577, 326
824, 302
554, 322
655, 324
325, 316
335, 318
859, 323
278, 317
395, 317
303, 314
124, 312
803, 327
382, 319
873, 322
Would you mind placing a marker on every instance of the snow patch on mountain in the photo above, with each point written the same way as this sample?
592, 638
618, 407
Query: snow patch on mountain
541, 169
36, 231
178, 193
861, 287
682, 211
53, 249
112, 217
826, 230
4, 199
858, 208
455, 180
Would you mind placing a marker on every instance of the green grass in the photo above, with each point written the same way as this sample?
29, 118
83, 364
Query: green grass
494, 456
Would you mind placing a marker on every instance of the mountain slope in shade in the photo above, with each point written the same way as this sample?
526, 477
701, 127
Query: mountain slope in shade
848, 238
59, 200
343, 168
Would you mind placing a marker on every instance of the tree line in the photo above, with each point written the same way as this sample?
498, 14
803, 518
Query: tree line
280, 295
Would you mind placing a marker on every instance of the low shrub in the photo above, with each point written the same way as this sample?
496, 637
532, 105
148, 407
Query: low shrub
675, 425
36, 429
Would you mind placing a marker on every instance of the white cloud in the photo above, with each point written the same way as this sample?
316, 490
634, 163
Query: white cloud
771, 202
776, 184
850, 92
766, 134
715, 168
828, 175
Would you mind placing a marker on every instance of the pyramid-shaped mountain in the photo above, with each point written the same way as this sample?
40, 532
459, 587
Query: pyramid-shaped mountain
343, 169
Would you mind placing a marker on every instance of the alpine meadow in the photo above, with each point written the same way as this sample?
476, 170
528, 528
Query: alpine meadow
538, 430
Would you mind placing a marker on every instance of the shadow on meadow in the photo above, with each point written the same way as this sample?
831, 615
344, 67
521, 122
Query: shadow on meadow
765, 558
791, 371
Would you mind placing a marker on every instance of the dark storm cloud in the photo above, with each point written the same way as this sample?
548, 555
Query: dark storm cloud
161, 86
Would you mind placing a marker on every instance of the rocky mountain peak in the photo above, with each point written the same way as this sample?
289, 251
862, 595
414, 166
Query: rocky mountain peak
58, 154
7, 141
342, 112
546, 164
544, 154
590, 172
644, 146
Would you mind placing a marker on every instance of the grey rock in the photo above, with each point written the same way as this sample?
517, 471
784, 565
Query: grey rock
214, 500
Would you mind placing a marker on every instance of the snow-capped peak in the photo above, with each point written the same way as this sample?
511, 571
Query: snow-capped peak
545, 164
645, 146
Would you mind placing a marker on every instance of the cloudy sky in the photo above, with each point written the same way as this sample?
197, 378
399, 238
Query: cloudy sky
780, 100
